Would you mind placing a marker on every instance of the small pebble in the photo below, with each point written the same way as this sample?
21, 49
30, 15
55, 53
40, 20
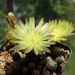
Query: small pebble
2, 72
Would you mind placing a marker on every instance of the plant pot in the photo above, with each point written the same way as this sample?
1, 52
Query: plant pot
53, 63
66, 48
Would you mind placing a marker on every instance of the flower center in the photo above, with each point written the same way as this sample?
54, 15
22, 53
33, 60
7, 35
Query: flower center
34, 39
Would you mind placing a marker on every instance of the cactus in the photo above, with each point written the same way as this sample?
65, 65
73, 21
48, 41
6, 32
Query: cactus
50, 63
36, 72
60, 59
46, 73
56, 51
25, 71
15, 56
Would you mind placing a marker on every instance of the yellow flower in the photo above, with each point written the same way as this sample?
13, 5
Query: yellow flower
29, 37
62, 29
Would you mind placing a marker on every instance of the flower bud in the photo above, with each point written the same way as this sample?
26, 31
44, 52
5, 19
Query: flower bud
11, 19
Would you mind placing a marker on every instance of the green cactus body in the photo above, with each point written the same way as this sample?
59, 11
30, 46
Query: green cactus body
50, 63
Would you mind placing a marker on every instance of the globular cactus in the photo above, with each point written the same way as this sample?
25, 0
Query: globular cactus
50, 63
60, 59
36, 72
25, 71
56, 51
31, 66
46, 73
16, 68
15, 56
